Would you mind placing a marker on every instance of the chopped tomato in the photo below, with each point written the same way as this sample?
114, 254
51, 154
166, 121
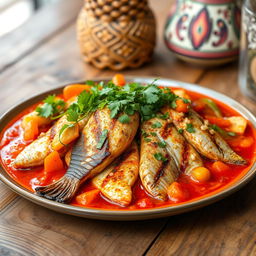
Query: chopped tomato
73, 90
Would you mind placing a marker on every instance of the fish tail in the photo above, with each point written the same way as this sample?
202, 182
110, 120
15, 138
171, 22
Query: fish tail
61, 191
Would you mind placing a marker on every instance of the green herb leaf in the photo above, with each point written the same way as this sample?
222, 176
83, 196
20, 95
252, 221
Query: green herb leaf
190, 128
102, 139
232, 134
164, 116
161, 144
153, 134
156, 125
147, 139
160, 157
180, 130
52, 106
124, 119
63, 128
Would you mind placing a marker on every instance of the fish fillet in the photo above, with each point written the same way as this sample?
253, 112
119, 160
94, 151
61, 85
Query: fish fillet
117, 180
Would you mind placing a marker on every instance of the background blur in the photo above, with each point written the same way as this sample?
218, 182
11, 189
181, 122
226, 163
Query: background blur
14, 13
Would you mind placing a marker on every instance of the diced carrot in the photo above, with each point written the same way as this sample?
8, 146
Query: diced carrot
53, 162
224, 123
181, 106
87, 197
219, 168
246, 142
74, 89
144, 203
201, 174
176, 193
119, 80
198, 105
30, 127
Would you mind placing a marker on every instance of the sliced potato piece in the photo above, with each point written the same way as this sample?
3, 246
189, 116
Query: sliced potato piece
181, 93
238, 124
67, 136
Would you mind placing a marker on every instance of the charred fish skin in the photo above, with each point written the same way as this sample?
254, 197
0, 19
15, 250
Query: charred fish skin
185, 156
156, 175
87, 159
210, 145
116, 182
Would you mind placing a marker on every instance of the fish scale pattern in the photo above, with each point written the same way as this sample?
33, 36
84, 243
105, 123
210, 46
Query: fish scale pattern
124, 41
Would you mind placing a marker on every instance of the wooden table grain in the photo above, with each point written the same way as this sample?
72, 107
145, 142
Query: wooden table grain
42, 54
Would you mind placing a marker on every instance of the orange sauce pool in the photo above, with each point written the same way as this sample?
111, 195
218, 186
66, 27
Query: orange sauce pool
12, 143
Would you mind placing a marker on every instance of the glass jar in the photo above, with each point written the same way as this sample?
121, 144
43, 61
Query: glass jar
247, 64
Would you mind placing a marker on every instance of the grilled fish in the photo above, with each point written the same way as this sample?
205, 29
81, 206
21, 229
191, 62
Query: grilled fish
156, 174
35, 153
117, 180
204, 139
185, 156
92, 153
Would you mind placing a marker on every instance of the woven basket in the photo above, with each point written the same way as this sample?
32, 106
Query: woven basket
116, 34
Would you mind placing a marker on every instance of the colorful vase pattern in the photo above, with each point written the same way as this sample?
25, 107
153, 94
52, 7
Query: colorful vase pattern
204, 29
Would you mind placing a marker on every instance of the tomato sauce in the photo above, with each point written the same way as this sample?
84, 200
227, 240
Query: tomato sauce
12, 143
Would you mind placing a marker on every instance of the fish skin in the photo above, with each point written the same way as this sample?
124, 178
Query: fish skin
86, 160
185, 156
212, 146
35, 153
116, 181
156, 175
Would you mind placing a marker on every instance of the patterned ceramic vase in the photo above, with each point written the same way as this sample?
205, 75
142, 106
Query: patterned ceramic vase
204, 31
116, 34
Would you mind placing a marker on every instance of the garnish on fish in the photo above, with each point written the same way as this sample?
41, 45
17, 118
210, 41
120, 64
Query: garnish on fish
102, 140
204, 139
117, 180
158, 169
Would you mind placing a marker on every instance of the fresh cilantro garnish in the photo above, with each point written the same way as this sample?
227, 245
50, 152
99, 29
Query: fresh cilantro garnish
190, 128
156, 125
147, 100
187, 101
222, 132
164, 116
180, 130
153, 134
102, 139
160, 157
173, 104
124, 119
52, 107
144, 134
147, 139
161, 144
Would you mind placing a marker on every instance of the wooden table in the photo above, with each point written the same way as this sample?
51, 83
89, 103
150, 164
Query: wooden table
42, 54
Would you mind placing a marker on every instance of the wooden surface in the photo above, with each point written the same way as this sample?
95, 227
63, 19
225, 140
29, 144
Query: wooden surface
43, 54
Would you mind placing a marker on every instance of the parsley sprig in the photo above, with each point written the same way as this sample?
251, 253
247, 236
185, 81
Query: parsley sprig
51, 107
123, 102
